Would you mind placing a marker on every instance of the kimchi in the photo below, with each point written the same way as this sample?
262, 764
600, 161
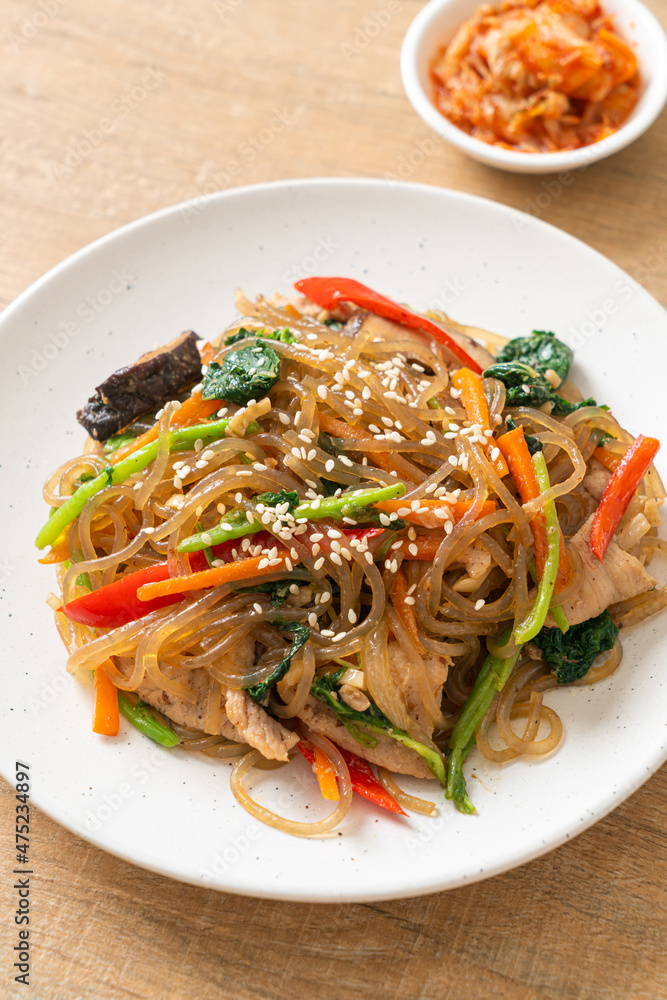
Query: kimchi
537, 77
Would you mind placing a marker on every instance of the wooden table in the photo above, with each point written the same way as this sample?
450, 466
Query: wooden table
110, 111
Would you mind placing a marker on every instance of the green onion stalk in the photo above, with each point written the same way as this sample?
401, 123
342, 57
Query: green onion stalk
235, 524
496, 670
182, 439
146, 723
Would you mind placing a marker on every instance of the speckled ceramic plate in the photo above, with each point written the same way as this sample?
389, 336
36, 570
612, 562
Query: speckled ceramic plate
485, 265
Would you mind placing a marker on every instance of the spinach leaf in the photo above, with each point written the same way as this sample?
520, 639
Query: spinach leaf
279, 591
542, 351
249, 373
526, 387
325, 688
285, 496
571, 655
284, 335
533, 444
260, 692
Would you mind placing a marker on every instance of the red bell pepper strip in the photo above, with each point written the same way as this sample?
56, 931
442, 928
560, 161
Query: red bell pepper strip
330, 292
619, 492
362, 778
117, 604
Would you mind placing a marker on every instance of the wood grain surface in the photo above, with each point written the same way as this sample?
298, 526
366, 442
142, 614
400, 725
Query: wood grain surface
113, 110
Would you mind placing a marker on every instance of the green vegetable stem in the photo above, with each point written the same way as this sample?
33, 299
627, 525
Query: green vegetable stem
142, 719
529, 628
492, 677
182, 439
236, 524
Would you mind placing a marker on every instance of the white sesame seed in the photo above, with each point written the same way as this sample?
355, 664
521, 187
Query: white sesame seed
409, 600
495, 453
329, 465
327, 632
312, 454
258, 608
336, 559
312, 619
479, 604
263, 563
413, 549
341, 635
322, 391
317, 548
244, 472
320, 563
374, 428
368, 557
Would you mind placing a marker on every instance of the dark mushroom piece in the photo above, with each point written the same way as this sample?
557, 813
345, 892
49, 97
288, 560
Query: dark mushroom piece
142, 387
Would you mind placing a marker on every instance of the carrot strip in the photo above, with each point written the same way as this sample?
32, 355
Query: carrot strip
215, 577
423, 547
405, 611
609, 459
389, 461
474, 402
193, 409
426, 516
325, 773
59, 551
105, 715
515, 450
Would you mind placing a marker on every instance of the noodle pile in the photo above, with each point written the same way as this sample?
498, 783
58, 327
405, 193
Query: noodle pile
353, 409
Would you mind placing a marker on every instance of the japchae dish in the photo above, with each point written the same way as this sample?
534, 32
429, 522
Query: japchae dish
350, 531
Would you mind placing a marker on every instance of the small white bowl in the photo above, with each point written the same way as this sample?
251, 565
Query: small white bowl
434, 27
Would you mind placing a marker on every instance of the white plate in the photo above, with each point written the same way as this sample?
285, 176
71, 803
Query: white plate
486, 265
